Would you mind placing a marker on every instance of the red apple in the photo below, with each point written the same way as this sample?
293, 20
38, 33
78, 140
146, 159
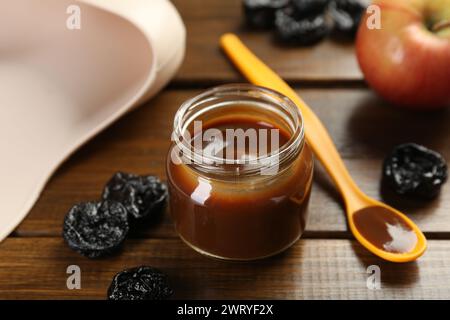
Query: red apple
407, 60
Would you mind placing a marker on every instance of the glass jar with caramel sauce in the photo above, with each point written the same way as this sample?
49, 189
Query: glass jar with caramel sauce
239, 173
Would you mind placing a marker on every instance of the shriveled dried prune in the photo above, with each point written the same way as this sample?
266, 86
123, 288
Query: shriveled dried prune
347, 15
305, 31
261, 13
305, 8
142, 196
141, 283
96, 229
412, 169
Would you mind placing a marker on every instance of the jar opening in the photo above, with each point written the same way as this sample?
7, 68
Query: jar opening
268, 131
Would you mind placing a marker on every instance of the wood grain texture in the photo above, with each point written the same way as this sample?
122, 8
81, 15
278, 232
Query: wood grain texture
363, 127
328, 61
325, 264
35, 268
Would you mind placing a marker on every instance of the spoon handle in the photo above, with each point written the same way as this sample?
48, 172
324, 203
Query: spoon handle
317, 136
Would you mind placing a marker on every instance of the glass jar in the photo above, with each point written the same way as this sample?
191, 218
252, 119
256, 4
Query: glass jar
250, 205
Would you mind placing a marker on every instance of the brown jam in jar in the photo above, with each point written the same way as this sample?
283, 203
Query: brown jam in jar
240, 186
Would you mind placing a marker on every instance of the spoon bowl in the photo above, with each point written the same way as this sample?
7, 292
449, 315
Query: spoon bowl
381, 229
405, 241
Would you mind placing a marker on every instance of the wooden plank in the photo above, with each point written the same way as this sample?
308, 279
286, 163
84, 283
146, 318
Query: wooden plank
328, 61
35, 268
363, 127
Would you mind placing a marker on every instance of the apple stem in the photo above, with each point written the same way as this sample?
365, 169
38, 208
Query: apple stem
441, 25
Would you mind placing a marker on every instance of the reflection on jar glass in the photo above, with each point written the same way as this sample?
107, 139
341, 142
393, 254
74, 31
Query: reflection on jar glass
239, 173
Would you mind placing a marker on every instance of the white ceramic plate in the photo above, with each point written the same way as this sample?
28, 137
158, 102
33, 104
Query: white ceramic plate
59, 87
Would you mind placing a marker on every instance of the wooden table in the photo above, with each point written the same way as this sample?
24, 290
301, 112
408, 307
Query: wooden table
326, 263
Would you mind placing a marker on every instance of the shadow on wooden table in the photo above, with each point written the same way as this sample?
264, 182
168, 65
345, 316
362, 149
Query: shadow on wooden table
218, 278
411, 205
377, 127
392, 274
323, 181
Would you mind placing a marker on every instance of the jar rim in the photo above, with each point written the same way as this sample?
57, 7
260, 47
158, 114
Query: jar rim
287, 152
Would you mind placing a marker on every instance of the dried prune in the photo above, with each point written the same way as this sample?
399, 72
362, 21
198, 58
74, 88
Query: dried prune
304, 31
412, 169
352, 6
141, 283
261, 13
142, 196
347, 15
96, 229
305, 8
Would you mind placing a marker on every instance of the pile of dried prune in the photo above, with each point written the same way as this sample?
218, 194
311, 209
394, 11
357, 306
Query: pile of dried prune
412, 169
141, 283
261, 13
347, 15
305, 8
305, 22
306, 31
96, 229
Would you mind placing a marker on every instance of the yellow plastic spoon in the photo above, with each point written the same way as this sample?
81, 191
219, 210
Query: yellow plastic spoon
324, 149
